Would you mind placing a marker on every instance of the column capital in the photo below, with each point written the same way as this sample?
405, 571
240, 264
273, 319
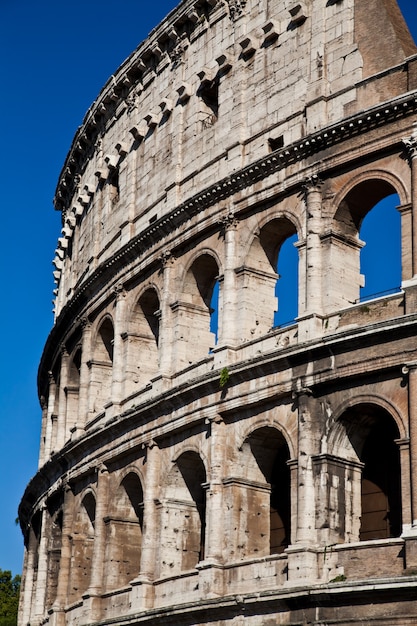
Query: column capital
84, 322
312, 183
119, 292
407, 367
166, 259
228, 222
410, 144
149, 445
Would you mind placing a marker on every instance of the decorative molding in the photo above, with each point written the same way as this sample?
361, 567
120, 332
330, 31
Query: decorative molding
236, 8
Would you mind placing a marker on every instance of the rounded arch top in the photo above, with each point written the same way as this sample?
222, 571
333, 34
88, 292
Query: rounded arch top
363, 191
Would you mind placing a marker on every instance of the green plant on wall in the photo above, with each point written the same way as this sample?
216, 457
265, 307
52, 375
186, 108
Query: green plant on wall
224, 377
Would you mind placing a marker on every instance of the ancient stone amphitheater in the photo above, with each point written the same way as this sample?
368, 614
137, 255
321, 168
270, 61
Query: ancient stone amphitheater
219, 468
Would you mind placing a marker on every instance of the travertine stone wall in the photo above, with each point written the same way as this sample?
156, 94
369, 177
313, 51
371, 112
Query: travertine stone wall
198, 468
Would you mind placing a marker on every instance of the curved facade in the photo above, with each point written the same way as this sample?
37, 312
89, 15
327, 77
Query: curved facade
203, 467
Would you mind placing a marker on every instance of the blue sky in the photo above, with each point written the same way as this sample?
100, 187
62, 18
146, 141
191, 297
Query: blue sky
55, 57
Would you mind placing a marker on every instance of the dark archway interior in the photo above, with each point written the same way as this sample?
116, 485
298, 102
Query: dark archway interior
272, 454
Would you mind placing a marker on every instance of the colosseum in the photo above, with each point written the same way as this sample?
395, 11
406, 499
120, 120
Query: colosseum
203, 460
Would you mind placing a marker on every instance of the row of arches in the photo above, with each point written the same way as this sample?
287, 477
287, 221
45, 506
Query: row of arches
357, 497
179, 319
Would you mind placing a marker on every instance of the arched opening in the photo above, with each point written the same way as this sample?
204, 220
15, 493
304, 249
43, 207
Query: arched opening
105, 341
124, 533
366, 258
73, 390
184, 517
142, 361
196, 315
82, 540
370, 441
270, 278
380, 260
55, 509
214, 311
271, 453
102, 366
286, 289
259, 495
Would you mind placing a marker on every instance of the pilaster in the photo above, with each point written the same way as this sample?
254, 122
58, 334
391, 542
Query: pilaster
93, 594
119, 346
142, 586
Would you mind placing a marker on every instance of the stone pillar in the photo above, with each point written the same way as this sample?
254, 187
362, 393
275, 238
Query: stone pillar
30, 560
411, 148
214, 504
309, 323
211, 570
62, 435
305, 533
84, 374
404, 447
142, 587
406, 212
41, 579
61, 600
99, 547
49, 419
412, 413
313, 200
410, 533
166, 331
302, 555
228, 309
119, 346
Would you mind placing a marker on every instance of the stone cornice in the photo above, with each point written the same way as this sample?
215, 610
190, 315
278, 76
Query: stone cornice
316, 142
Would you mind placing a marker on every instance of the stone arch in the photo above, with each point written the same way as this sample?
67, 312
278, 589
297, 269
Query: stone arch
142, 355
124, 527
73, 388
373, 398
259, 275
183, 514
101, 365
265, 422
195, 334
343, 245
368, 470
82, 543
55, 520
261, 492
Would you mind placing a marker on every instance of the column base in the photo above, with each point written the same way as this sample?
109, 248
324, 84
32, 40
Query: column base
210, 578
410, 550
143, 594
302, 565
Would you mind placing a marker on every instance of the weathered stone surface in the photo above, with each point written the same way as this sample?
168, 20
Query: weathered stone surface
253, 475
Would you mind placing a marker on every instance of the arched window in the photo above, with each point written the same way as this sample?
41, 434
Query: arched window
184, 515
214, 311
102, 367
124, 533
142, 360
73, 390
259, 494
82, 540
196, 321
381, 255
364, 252
286, 289
369, 487
55, 509
266, 299
271, 453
